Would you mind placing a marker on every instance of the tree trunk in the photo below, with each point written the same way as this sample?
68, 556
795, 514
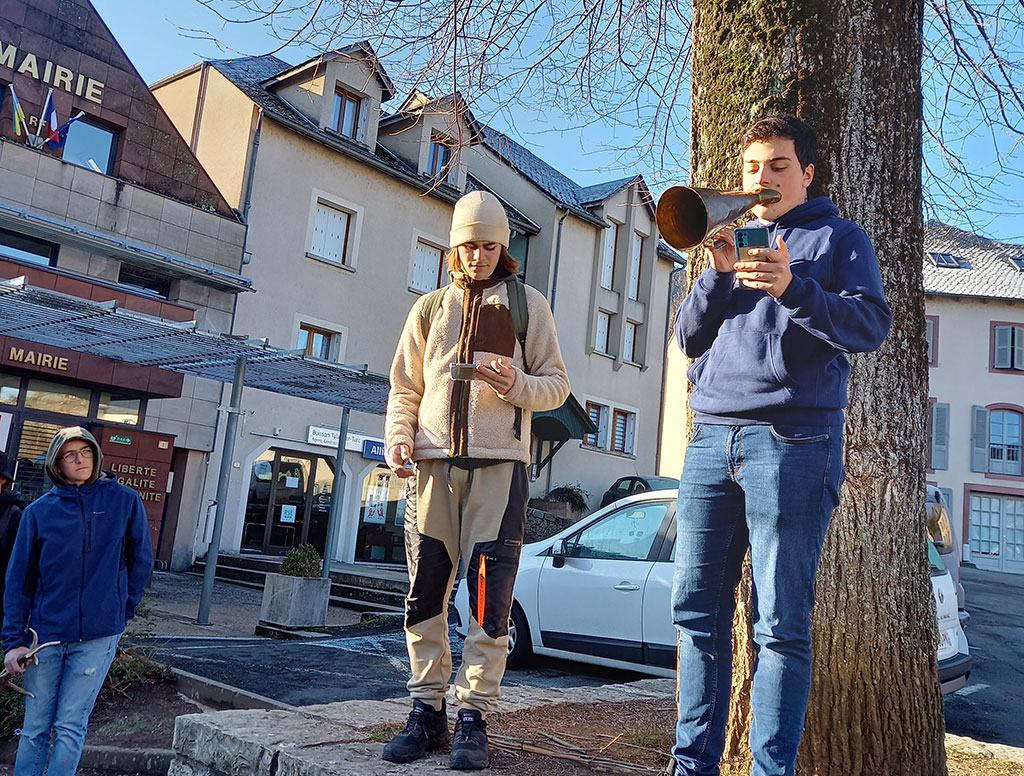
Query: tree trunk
853, 71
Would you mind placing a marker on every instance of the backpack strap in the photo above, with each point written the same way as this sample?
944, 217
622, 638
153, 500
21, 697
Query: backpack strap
431, 302
520, 313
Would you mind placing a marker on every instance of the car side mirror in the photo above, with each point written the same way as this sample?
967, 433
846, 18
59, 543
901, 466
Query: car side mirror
558, 552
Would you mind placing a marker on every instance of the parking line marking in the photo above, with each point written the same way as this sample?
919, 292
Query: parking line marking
970, 689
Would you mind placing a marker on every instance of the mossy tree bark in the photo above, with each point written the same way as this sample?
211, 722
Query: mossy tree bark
853, 70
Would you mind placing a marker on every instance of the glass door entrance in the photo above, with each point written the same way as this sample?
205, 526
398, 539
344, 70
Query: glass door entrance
289, 502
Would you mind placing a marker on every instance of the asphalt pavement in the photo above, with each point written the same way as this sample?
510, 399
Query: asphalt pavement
368, 660
989, 707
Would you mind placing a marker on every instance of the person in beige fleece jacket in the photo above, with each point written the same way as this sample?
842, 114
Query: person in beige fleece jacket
469, 441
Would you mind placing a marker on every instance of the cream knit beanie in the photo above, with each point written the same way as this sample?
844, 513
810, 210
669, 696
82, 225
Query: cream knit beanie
479, 217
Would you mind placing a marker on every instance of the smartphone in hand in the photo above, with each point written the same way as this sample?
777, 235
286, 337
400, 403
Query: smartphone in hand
750, 237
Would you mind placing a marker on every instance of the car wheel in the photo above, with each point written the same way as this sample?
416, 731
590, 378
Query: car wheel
519, 646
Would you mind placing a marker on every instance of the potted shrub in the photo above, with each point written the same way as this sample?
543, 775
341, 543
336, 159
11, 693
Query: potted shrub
569, 501
298, 596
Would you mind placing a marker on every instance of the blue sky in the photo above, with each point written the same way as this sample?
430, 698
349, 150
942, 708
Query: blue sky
157, 41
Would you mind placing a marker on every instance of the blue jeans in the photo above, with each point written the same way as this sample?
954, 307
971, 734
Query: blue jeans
772, 488
65, 683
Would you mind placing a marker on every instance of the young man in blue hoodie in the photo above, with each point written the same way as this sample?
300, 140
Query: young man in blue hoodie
764, 466
78, 570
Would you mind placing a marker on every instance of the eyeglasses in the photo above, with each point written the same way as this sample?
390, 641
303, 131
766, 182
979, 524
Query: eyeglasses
85, 453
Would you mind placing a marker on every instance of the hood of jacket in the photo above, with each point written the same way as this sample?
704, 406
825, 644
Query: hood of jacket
806, 212
59, 439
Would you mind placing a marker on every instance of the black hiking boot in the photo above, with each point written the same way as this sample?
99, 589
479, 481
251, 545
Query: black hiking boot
425, 731
470, 751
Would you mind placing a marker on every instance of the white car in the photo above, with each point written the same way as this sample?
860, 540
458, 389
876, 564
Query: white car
599, 592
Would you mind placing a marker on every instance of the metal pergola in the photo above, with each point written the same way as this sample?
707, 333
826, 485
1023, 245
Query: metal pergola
105, 329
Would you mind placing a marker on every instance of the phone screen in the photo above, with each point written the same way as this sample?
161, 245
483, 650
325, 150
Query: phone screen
750, 237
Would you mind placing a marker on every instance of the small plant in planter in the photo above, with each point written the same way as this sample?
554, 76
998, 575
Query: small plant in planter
573, 495
569, 501
302, 561
298, 596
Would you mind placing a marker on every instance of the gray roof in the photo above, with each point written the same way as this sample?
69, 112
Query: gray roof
602, 191
249, 75
985, 270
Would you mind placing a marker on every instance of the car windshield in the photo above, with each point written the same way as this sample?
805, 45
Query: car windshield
940, 530
663, 483
938, 567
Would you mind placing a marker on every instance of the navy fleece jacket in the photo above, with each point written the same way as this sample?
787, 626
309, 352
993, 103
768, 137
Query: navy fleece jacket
783, 361
79, 566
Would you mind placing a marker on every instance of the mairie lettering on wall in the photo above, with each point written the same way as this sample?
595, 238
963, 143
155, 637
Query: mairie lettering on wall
51, 73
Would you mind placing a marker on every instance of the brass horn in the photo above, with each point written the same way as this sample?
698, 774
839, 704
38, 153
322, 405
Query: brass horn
687, 217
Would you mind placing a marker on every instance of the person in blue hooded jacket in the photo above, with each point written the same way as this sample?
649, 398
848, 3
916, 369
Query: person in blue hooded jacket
764, 465
78, 570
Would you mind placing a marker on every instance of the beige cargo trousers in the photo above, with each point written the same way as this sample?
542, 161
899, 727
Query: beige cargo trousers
480, 514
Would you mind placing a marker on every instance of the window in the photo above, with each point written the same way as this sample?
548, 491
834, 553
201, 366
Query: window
119, 408
428, 267
519, 249
628, 534
57, 397
10, 389
931, 332
91, 145
1008, 347
1004, 442
316, 342
604, 324
622, 431
22, 248
996, 440
629, 346
331, 228
439, 158
345, 116
997, 531
633, 288
608, 260
144, 282
599, 414
938, 428
949, 261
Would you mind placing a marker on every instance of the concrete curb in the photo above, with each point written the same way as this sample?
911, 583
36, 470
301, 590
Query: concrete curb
151, 762
222, 696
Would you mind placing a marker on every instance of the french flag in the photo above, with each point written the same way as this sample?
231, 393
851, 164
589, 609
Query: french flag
52, 124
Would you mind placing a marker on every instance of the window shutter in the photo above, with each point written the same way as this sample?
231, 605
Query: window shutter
1003, 350
608, 260
929, 336
940, 436
1018, 347
629, 347
979, 439
630, 432
634, 267
602, 428
330, 230
601, 343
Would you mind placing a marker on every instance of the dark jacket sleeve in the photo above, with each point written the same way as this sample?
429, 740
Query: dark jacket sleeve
702, 311
22, 577
854, 319
139, 556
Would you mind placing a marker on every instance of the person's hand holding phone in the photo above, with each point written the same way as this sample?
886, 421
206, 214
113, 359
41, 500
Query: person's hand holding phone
722, 253
399, 460
766, 269
499, 374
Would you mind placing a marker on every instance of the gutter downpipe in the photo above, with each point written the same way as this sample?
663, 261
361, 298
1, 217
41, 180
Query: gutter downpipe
558, 255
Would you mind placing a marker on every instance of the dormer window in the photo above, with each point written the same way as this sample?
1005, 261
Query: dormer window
345, 119
439, 158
